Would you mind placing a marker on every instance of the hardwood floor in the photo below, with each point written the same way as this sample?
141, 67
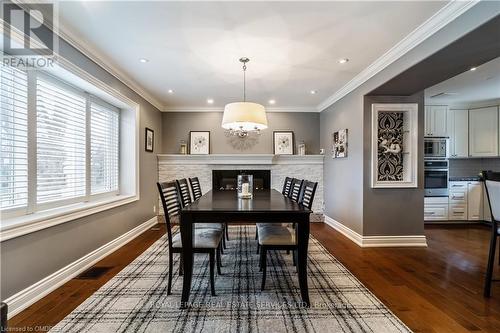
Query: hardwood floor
434, 289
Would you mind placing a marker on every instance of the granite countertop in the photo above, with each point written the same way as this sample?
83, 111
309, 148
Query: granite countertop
465, 179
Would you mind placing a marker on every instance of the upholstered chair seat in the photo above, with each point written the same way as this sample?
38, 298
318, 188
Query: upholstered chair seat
203, 239
276, 236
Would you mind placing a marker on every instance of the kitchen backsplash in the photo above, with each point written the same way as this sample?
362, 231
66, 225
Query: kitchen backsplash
471, 167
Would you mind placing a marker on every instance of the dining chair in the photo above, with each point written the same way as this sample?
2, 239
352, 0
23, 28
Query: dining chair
295, 188
185, 197
287, 185
492, 185
196, 188
204, 240
283, 237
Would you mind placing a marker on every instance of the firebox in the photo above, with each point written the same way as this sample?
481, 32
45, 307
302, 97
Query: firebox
225, 180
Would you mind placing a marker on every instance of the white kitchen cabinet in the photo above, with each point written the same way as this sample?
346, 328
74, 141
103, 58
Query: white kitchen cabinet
436, 120
435, 209
483, 132
475, 201
458, 130
457, 199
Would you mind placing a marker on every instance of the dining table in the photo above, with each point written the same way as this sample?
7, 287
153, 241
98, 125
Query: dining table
266, 206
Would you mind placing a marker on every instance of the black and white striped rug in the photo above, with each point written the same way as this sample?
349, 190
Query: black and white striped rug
136, 300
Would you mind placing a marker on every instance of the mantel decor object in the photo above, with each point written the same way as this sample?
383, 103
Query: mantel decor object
245, 186
199, 142
394, 145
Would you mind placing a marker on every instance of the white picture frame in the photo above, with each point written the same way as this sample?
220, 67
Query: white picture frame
409, 150
199, 142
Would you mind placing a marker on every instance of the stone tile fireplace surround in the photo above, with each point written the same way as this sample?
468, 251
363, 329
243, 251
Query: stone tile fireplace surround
175, 166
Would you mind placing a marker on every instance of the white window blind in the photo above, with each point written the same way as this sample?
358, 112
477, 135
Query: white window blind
104, 136
60, 133
13, 138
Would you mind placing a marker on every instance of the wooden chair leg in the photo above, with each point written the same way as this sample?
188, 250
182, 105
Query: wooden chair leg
258, 247
294, 257
219, 264
287, 251
256, 232
181, 265
212, 273
223, 245
489, 269
170, 267
227, 231
264, 268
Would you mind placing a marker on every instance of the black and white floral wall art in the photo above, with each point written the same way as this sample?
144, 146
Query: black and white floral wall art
199, 142
394, 145
283, 142
339, 144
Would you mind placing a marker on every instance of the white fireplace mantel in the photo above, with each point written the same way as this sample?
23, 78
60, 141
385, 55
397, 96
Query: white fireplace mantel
240, 159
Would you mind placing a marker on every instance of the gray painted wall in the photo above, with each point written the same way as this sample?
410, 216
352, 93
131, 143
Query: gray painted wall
394, 211
28, 259
176, 127
344, 186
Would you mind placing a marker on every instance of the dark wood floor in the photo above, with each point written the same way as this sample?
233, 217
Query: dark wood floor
436, 289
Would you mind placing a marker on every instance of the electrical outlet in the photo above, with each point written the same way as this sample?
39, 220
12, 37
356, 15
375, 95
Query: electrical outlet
154, 208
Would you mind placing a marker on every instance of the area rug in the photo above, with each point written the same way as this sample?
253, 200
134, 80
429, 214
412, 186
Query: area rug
136, 300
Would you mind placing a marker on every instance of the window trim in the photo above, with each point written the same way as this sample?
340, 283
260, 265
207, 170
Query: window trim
13, 227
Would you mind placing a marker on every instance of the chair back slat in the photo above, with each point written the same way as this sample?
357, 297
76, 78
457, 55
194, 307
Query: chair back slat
195, 187
295, 188
170, 200
307, 193
286, 186
492, 184
184, 192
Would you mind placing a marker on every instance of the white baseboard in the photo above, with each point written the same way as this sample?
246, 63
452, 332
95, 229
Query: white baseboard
35, 292
377, 241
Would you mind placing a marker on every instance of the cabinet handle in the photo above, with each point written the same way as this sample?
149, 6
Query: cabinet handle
429, 213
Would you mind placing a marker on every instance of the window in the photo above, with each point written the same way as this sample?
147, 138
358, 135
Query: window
14, 138
104, 133
59, 145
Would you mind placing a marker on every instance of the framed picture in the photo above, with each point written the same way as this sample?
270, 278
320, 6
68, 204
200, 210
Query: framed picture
339, 144
149, 140
199, 142
283, 142
394, 145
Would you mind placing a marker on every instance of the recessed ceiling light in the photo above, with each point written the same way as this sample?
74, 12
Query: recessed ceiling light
313, 92
473, 68
272, 101
143, 60
170, 91
343, 60
210, 101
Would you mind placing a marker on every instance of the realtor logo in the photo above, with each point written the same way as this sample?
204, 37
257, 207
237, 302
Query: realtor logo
28, 42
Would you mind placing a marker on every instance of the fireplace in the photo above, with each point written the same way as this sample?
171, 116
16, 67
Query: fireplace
225, 180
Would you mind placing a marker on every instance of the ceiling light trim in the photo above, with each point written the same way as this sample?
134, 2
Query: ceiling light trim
441, 18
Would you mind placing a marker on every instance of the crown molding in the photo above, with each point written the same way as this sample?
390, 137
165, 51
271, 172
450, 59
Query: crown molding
441, 18
221, 109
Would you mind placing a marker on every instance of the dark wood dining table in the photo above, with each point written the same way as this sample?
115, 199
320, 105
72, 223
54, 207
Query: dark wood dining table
266, 206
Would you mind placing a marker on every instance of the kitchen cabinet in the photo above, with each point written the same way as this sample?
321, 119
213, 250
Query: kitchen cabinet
483, 132
458, 130
436, 209
475, 201
436, 120
457, 200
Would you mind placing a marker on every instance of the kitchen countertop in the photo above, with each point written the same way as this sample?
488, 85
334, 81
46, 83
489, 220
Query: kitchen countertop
465, 179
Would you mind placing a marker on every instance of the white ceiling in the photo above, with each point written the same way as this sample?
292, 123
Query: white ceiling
193, 48
469, 88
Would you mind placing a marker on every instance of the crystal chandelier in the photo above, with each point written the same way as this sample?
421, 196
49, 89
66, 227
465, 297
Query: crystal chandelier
243, 118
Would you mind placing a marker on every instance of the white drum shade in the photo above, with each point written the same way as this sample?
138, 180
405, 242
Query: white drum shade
244, 116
